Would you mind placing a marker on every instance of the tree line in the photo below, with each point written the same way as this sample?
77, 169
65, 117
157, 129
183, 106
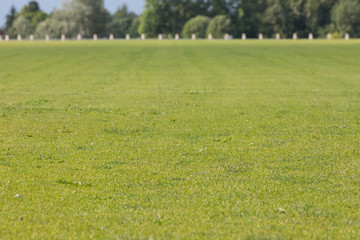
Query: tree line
187, 17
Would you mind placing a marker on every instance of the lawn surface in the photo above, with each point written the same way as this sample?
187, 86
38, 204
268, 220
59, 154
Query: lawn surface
180, 140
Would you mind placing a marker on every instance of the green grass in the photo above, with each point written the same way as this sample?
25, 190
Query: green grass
180, 140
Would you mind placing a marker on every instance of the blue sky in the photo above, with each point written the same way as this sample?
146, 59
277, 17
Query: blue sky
136, 6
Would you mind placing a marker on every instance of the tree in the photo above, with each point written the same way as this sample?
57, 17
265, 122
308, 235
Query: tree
218, 26
37, 18
85, 17
157, 18
252, 17
149, 23
197, 26
33, 6
21, 26
122, 21
285, 17
10, 18
301, 16
99, 18
317, 14
133, 30
169, 16
89, 15
218, 7
42, 29
33, 14
56, 25
346, 17
249, 18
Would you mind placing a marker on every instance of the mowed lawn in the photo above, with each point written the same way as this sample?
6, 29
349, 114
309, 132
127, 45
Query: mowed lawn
180, 140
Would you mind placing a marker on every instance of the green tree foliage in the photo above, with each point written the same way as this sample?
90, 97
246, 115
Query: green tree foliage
158, 17
90, 16
85, 17
33, 6
219, 26
123, 22
346, 17
249, 18
317, 14
252, 17
149, 23
133, 30
285, 17
301, 16
21, 26
99, 17
33, 14
197, 26
170, 16
10, 18
56, 25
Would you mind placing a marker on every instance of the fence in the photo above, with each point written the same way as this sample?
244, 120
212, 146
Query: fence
163, 36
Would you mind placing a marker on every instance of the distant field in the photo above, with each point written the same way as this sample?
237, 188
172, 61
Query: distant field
180, 140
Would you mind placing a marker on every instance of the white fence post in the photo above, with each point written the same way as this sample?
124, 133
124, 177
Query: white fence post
177, 37
243, 36
63, 38
347, 36
311, 37
295, 36
31, 38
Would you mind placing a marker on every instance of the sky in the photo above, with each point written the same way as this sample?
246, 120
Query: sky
136, 6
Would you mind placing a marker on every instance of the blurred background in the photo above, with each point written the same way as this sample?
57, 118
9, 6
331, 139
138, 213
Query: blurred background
186, 17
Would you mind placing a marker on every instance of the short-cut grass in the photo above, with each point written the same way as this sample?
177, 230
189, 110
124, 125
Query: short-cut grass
180, 140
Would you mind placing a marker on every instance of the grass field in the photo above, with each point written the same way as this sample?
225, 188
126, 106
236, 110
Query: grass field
180, 140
